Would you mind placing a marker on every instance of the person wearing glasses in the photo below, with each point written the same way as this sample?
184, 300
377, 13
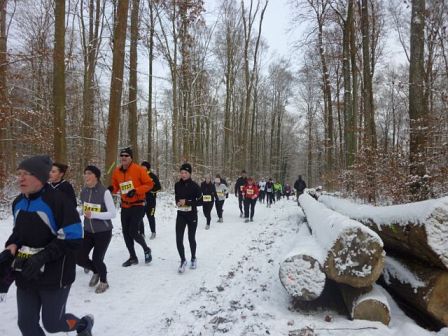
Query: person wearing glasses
132, 182
47, 231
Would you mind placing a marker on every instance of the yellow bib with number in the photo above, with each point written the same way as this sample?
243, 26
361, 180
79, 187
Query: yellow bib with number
250, 191
126, 186
91, 207
207, 198
184, 208
220, 194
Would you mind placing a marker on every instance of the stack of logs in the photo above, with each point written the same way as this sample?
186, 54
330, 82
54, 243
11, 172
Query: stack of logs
415, 239
340, 249
346, 245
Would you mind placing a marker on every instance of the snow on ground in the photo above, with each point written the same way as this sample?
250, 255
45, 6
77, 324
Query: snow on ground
234, 291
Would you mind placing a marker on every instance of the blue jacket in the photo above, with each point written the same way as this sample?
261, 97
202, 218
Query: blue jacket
48, 220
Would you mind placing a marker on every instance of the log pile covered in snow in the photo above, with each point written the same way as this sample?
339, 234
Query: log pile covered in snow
415, 238
346, 252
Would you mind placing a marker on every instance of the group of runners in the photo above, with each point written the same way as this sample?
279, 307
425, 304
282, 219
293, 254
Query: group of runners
48, 239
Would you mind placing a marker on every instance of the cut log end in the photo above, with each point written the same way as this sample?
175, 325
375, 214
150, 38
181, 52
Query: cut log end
302, 277
356, 259
438, 299
372, 310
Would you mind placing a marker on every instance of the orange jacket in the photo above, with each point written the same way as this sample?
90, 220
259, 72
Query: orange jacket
135, 177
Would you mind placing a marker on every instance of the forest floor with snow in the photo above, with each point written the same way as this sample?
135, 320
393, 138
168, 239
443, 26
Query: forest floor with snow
234, 291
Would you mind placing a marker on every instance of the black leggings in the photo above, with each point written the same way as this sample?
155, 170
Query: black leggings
249, 203
150, 210
31, 301
130, 221
207, 209
270, 198
99, 242
182, 221
240, 202
219, 206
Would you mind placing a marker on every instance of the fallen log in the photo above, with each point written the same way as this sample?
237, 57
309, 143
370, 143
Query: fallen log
419, 229
366, 303
301, 273
354, 253
424, 288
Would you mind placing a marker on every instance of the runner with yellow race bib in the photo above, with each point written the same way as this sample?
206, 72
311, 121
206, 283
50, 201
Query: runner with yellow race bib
208, 197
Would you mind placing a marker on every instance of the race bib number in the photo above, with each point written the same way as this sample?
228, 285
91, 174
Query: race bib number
250, 191
269, 190
126, 186
220, 194
184, 208
207, 198
91, 207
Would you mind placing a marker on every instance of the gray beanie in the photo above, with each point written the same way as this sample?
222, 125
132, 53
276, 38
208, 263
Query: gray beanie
39, 166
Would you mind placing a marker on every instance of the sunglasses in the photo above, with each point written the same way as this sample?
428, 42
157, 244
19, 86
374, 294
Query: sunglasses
124, 155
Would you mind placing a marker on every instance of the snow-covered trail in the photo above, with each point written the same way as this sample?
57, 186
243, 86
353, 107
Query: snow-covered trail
234, 291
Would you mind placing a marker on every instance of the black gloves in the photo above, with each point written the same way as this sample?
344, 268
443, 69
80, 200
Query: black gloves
6, 258
33, 265
111, 189
227, 195
131, 193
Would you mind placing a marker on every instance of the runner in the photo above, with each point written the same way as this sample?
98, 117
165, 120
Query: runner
133, 182
98, 208
150, 206
208, 197
222, 193
47, 231
239, 185
188, 196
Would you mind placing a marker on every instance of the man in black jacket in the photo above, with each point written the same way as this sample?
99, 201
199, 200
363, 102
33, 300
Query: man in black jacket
47, 230
299, 186
239, 184
151, 196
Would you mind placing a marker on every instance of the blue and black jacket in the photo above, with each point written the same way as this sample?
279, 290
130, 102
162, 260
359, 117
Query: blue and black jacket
48, 220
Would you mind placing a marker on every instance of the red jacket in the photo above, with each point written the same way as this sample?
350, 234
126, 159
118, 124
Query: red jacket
251, 191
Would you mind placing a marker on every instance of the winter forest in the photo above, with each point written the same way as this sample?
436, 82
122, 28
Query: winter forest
195, 81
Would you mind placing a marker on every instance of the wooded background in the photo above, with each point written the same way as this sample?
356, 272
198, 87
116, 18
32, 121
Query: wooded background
341, 109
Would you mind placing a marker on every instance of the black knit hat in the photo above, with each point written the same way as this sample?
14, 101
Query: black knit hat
146, 164
127, 150
95, 170
39, 166
187, 167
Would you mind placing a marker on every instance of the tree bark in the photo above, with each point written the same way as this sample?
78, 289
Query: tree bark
4, 99
422, 287
150, 86
133, 61
60, 146
116, 86
418, 111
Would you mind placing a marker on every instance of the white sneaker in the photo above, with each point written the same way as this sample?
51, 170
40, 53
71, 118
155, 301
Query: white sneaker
183, 265
207, 227
193, 263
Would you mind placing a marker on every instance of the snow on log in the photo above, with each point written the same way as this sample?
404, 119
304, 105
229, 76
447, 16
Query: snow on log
301, 273
419, 229
366, 303
354, 253
423, 288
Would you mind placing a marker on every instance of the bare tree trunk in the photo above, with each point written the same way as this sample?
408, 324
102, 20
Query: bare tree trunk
133, 55
60, 146
91, 44
4, 99
418, 112
150, 88
116, 86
